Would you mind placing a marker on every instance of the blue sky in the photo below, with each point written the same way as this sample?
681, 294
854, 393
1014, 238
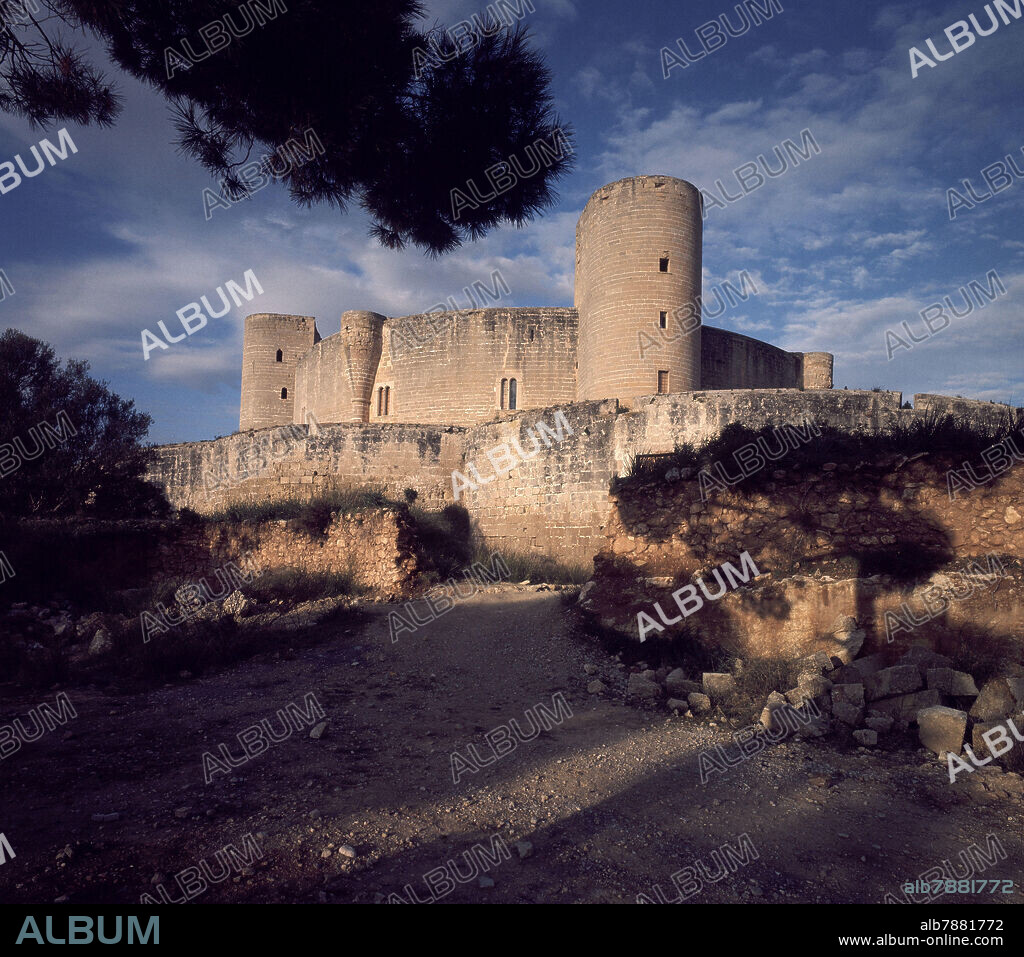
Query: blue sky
849, 243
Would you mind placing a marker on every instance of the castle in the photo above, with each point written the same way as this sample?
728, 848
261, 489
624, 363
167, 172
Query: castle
635, 330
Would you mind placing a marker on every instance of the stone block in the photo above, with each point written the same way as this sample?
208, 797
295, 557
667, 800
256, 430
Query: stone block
941, 729
959, 684
718, 684
897, 680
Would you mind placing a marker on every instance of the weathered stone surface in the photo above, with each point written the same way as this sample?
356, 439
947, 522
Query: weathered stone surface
847, 639
596, 687
904, 708
677, 704
941, 729
847, 713
882, 723
678, 684
718, 684
856, 671
848, 694
818, 663
865, 737
924, 659
1010, 758
947, 681
900, 679
236, 604
814, 685
101, 644
995, 701
699, 703
643, 688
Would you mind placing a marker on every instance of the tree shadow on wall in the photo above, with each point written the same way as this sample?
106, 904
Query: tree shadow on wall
843, 523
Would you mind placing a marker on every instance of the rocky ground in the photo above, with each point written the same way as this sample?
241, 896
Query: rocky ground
602, 806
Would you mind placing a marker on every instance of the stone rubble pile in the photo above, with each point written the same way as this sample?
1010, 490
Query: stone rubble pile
863, 698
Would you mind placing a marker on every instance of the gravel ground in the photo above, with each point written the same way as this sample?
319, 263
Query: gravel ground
599, 807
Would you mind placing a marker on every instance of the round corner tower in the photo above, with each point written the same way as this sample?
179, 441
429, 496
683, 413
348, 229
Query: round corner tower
363, 336
817, 370
271, 348
638, 279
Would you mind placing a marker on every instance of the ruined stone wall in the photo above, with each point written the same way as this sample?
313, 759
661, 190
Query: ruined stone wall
543, 490
376, 547
732, 361
290, 464
447, 367
991, 414
842, 539
555, 500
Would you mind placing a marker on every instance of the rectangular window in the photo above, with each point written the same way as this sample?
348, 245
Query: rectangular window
662, 382
663, 265
663, 319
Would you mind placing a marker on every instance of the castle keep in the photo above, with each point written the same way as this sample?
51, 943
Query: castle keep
634, 331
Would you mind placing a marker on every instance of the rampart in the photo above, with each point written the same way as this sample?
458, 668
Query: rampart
553, 499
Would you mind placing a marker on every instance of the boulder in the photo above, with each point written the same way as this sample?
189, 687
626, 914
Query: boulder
718, 684
101, 644
848, 694
818, 664
995, 701
866, 738
941, 729
959, 684
596, 687
903, 708
677, 683
855, 672
815, 684
924, 659
643, 688
846, 639
699, 703
880, 723
897, 680
847, 713
236, 604
676, 704
1013, 758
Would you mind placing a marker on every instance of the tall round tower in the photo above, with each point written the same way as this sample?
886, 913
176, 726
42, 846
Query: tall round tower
363, 336
818, 370
638, 279
271, 348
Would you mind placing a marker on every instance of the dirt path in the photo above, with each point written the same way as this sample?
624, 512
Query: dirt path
610, 798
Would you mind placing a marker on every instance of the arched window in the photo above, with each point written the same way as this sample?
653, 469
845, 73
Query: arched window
380, 401
513, 394
387, 400
280, 356
284, 393
504, 390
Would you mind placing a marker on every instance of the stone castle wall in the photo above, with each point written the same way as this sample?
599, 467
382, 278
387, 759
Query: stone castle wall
555, 501
831, 541
732, 361
447, 367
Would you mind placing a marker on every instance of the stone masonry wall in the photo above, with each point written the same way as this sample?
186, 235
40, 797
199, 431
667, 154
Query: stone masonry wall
732, 361
556, 501
376, 547
447, 367
854, 539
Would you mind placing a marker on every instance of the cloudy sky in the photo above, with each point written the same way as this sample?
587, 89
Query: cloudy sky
851, 242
